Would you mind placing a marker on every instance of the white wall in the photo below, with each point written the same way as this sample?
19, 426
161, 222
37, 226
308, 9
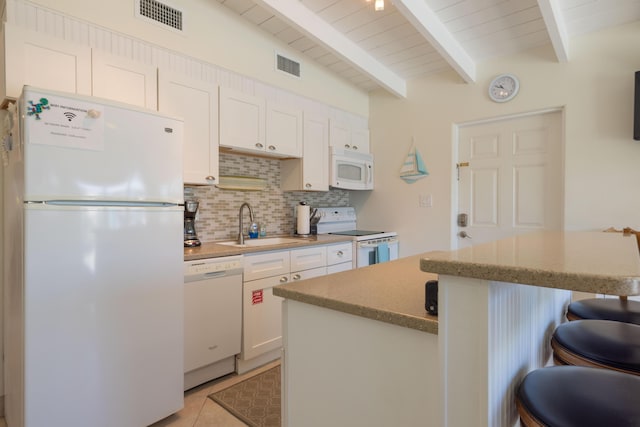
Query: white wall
215, 34
602, 168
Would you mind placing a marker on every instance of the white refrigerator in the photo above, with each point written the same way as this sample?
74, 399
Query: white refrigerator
94, 264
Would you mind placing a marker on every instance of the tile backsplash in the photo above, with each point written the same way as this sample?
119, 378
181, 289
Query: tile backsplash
218, 211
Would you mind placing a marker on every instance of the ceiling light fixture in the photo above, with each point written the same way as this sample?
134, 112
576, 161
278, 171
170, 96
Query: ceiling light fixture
378, 5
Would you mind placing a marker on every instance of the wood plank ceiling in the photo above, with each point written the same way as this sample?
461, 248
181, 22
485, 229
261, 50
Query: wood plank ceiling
412, 38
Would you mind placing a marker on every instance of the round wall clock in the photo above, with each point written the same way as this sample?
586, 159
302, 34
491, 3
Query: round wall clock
504, 88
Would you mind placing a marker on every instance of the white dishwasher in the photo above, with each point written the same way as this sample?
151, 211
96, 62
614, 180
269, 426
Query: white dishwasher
212, 318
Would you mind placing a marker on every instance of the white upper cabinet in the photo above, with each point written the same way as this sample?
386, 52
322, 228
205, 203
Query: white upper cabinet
311, 172
196, 102
242, 120
44, 62
250, 124
360, 140
284, 130
37, 60
343, 135
124, 80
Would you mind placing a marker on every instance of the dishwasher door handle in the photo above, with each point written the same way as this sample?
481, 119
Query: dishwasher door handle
212, 274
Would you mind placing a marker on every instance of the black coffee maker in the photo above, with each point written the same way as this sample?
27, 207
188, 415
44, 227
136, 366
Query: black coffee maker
190, 235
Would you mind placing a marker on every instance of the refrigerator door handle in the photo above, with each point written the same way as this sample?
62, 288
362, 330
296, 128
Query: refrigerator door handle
106, 203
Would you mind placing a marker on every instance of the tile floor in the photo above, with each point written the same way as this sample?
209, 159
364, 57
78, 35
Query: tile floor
199, 410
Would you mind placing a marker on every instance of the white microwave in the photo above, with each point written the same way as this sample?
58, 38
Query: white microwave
351, 170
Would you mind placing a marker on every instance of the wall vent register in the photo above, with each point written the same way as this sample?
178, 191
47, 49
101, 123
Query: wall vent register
160, 12
287, 65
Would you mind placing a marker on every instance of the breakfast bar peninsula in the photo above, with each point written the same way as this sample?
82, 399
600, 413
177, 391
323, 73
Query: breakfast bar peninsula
499, 303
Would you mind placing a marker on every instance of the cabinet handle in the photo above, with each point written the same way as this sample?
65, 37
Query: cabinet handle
308, 185
354, 147
259, 145
284, 279
210, 178
340, 253
296, 277
347, 146
272, 147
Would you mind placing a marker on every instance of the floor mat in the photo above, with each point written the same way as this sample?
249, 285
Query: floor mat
255, 401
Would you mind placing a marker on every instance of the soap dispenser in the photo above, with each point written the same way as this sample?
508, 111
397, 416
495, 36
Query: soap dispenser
253, 230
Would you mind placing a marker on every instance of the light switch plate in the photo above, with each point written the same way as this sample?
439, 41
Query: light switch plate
425, 201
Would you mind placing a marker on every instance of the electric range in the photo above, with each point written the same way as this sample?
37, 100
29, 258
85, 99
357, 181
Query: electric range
369, 247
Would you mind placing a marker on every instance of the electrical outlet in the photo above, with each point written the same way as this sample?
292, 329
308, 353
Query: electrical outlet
425, 201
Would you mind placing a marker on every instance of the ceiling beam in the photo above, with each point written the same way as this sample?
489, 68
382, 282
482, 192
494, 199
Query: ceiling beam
433, 30
308, 23
552, 15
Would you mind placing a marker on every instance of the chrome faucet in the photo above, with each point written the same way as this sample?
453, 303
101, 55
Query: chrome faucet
241, 228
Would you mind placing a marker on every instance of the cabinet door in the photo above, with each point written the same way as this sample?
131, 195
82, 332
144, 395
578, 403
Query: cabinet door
44, 62
262, 317
340, 134
196, 102
124, 80
360, 140
311, 173
266, 264
308, 258
315, 159
284, 130
242, 120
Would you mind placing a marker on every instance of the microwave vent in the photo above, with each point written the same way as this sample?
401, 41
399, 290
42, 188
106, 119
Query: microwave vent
160, 13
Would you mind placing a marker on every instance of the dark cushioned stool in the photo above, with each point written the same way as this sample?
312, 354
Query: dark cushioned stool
605, 309
598, 343
578, 396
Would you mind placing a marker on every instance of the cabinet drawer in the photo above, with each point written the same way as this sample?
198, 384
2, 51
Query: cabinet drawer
337, 268
266, 264
339, 253
308, 258
308, 274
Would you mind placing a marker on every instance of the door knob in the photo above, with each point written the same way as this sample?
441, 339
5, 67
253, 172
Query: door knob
464, 235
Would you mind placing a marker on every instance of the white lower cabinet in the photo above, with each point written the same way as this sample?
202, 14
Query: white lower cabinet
261, 310
262, 316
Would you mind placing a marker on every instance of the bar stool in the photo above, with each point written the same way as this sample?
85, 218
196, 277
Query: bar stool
598, 343
618, 309
578, 396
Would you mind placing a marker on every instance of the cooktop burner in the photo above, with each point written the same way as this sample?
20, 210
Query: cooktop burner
356, 233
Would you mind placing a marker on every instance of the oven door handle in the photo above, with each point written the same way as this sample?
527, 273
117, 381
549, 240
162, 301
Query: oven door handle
373, 243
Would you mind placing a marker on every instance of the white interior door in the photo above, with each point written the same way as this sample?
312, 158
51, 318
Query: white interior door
510, 178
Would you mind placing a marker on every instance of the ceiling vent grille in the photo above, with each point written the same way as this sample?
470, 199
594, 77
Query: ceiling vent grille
287, 65
161, 13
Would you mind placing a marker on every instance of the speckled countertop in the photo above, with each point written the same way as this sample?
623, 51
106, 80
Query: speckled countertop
215, 249
593, 262
391, 292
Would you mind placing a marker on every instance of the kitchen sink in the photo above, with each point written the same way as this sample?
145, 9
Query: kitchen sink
269, 241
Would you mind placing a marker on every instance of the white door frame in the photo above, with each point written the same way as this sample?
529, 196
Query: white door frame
455, 135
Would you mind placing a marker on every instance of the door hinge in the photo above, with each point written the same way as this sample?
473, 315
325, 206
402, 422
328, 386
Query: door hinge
461, 165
